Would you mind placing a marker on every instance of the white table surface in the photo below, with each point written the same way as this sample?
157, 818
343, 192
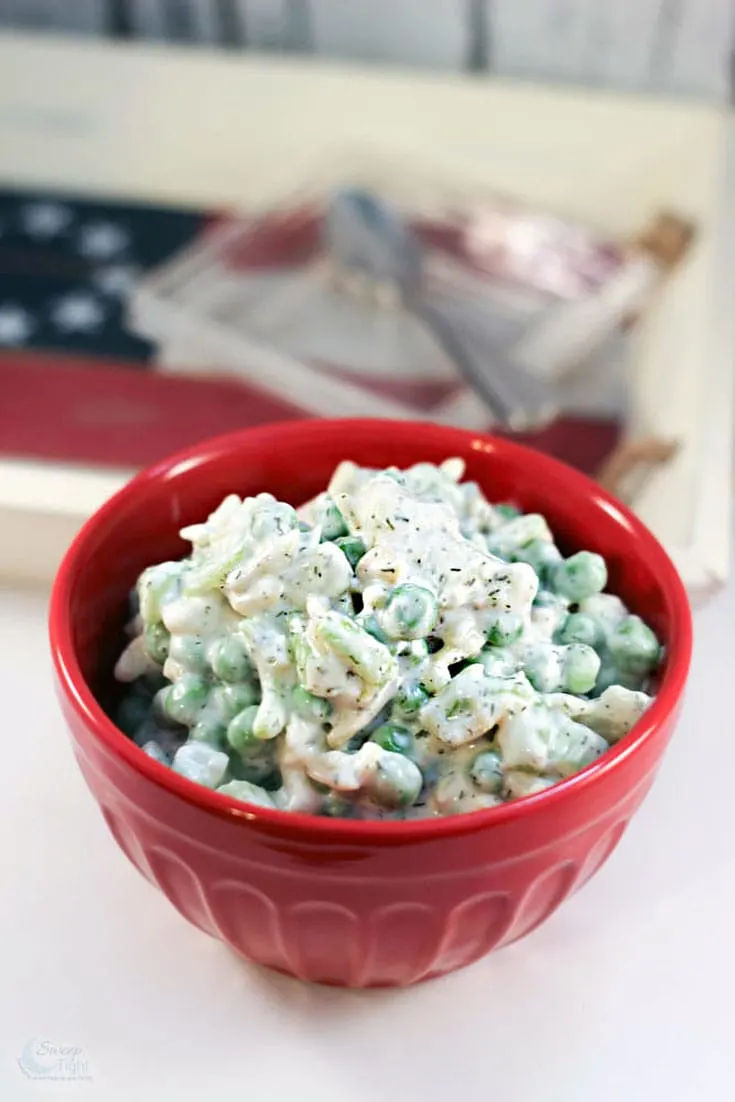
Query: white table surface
625, 994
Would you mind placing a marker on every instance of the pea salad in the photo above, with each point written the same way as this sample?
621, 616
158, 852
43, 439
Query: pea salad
398, 648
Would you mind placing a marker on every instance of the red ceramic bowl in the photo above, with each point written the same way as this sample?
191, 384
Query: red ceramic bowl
354, 903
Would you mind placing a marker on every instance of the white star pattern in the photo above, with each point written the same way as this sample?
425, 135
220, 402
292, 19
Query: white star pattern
77, 313
102, 240
117, 280
16, 325
45, 219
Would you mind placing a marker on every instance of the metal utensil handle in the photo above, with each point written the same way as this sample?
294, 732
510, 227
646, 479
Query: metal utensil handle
516, 399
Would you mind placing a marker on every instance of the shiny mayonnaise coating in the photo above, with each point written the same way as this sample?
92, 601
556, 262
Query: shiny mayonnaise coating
397, 648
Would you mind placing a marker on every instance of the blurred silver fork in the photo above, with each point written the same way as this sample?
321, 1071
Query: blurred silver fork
367, 239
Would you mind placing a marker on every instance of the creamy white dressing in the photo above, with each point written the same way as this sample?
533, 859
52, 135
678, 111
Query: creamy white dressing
379, 705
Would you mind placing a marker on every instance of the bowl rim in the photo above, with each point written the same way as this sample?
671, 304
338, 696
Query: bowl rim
76, 692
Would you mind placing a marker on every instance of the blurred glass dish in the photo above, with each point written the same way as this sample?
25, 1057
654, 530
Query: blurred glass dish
257, 298
374, 251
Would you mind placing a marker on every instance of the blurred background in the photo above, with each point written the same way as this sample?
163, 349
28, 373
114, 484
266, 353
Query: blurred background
681, 47
514, 216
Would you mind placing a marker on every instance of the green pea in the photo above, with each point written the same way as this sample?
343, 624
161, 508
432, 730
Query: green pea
579, 628
231, 699
581, 667
352, 547
240, 733
487, 771
185, 699
633, 646
546, 599
258, 768
157, 640
333, 523
507, 511
310, 706
542, 555
255, 762
411, 612
580, 576
230, 660
409, 700
190, 651
608, 675
209, 728
397, 781
505, 629
392, 737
